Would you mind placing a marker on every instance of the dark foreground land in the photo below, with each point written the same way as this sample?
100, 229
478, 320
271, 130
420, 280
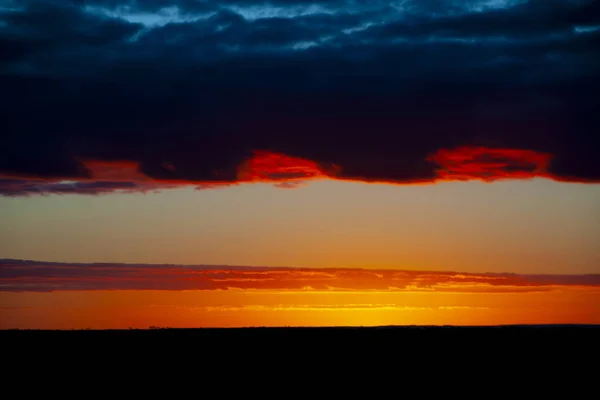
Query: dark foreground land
533, 354
551, 329
524, 332
393, 338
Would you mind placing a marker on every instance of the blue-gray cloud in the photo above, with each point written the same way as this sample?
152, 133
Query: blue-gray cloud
372, 86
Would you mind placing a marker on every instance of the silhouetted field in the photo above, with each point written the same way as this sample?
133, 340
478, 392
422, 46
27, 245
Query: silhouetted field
383, 332
555, 336
311, 352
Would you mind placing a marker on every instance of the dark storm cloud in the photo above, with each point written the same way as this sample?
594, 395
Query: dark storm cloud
374, 87
39, 276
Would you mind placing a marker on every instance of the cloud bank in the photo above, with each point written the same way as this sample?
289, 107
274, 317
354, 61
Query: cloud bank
36, 276
212, 93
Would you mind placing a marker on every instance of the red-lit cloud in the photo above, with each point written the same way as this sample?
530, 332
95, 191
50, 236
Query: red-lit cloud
17, 276
458, 164
468, 163
265, 166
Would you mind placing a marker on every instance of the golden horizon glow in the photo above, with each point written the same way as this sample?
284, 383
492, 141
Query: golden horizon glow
122, 309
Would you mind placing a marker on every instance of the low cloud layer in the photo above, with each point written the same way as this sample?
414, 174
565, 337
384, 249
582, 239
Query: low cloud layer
174, 93
35, 276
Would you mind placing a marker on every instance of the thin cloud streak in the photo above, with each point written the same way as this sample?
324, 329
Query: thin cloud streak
36, 276
319, 307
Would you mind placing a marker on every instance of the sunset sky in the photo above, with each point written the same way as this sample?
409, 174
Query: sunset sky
291, 163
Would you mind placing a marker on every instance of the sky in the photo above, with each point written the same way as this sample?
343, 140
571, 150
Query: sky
337, 162
537, 226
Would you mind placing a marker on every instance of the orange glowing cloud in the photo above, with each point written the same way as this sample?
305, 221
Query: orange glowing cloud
468, 163
458, 164
265, 166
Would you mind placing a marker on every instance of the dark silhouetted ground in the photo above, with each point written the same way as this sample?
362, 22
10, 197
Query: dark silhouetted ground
539, 356
551, 337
